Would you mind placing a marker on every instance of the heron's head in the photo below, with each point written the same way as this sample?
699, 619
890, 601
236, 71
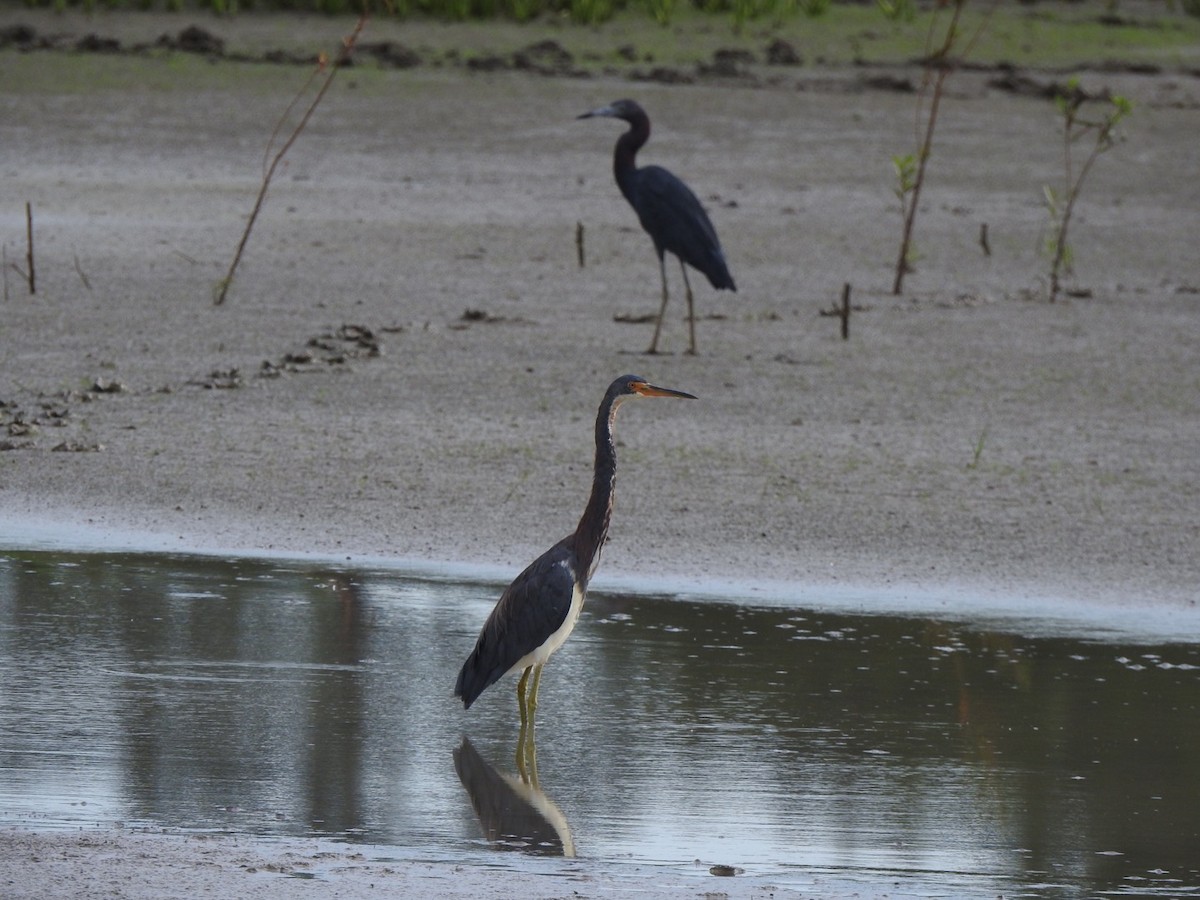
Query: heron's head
628, 110
636, 386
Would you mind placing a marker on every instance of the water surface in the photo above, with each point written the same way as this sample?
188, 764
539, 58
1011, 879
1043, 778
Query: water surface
277, 698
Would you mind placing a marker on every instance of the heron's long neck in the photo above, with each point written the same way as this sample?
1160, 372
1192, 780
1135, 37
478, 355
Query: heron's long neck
593, 525
625, 154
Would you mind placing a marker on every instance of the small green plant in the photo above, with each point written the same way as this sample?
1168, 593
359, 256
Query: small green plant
977, 455
661, 10
743, 12
592, 12
1061, 203
747, 10
899, 10
905, 168
524, 10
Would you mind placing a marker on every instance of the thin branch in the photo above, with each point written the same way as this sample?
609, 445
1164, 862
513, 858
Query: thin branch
845, 311
1075, 128
331, 70
32, 277
945, 66
82, 275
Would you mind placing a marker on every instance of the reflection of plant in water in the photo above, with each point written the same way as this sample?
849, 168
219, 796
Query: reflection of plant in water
967, 656
1059, 206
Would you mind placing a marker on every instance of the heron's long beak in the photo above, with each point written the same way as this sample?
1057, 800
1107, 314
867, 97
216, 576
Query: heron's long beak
599, 111
642, 389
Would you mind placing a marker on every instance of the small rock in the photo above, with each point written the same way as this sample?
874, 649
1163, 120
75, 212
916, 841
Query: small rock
782, 53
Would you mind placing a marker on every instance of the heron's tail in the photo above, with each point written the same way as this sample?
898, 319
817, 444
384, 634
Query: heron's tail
717, 271
472, 681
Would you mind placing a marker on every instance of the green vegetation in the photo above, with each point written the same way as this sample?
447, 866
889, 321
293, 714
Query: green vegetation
905, 167
1060, 204
1050, 33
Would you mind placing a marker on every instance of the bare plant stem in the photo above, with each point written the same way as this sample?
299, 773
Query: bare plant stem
1073, 128
845, 311
82, 275
1060, 241
32, 277
329, 69
941, 63
923, 152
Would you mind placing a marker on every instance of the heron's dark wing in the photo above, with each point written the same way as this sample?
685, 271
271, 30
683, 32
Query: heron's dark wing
530, 610
674, 218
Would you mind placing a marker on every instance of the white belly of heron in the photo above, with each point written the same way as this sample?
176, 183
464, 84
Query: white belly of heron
538, 656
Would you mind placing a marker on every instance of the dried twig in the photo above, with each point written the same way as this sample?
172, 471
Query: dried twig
29, 251
939, 65
845, 311
328, 70
82, 275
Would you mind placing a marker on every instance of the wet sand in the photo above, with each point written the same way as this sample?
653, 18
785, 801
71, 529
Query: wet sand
410, 358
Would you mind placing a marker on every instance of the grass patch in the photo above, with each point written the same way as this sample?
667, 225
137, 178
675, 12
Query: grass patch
87, 73
1058, 35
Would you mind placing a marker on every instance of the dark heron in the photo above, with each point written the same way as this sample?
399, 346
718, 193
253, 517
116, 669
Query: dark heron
669, 212
538, 610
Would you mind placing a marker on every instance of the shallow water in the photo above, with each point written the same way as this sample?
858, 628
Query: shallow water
276, 698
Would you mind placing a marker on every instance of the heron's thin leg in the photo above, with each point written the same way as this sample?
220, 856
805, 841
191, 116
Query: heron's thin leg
691, 311
531, 703
521, 696
662, 271
521, 752
530, 775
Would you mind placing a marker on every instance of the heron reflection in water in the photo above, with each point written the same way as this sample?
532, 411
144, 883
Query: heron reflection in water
514, 812
537, 612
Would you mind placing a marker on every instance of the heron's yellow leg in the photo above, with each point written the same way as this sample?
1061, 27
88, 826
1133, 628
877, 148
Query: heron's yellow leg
521, 740
521, 696
531, 775
527, 754
533, 692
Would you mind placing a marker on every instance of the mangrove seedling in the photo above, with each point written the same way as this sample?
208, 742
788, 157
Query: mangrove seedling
1061, 204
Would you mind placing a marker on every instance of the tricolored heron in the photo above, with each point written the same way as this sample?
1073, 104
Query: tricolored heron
668, 211
537, 612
